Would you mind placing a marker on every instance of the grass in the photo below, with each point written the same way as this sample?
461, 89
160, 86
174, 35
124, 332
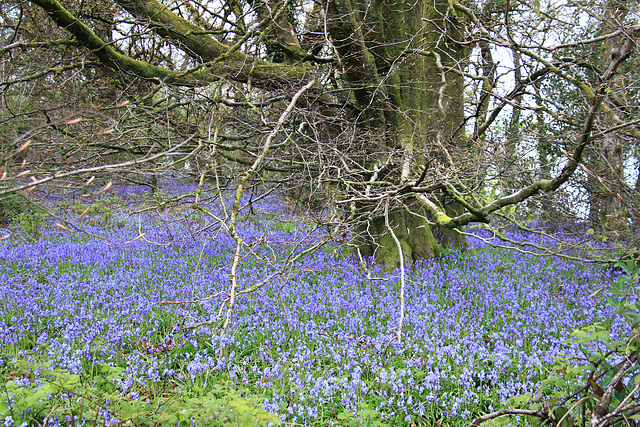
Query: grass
90, 333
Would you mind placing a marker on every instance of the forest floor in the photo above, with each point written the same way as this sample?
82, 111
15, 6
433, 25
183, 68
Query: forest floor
100, 306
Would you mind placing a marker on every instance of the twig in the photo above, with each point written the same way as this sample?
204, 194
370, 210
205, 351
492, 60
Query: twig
401, 257
235, 209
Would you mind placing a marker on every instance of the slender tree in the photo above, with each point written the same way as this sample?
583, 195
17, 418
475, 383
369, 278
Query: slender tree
606, 174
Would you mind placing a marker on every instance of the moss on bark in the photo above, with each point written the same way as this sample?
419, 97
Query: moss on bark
418, 96
413, 232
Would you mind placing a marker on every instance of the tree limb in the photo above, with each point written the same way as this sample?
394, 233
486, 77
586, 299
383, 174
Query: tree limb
238, 67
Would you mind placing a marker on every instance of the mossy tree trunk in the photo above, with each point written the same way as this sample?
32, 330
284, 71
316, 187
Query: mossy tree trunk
399, 59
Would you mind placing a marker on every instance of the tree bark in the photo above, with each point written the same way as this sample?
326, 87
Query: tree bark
399, 59
607, 213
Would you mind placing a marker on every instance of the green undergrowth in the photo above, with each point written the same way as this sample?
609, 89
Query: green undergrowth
41, 395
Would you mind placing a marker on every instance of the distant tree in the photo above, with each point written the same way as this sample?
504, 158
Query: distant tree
607, 182
412, 126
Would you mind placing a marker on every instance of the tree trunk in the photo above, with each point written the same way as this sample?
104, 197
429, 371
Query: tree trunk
607, 213
398, 63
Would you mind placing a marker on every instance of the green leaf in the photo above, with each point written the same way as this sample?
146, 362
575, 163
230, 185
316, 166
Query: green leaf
496, 422
4, 408
595, 357
631, 265
536, 6
269, 417
535, 421
44, 391
71, 380
343, 416
523, 398
560, 382
624, 267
